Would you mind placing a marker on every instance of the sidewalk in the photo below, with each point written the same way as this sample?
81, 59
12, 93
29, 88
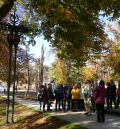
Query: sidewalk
112, 121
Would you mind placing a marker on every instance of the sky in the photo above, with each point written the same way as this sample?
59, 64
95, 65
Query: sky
36, 50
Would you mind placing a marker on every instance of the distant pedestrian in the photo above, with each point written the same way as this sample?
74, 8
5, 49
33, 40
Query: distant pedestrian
4, 90
100, 101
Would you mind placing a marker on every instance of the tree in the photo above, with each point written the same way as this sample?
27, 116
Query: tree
3, 61
6, 7
65, 26
108, 7
88, 74
58, 72
112, 58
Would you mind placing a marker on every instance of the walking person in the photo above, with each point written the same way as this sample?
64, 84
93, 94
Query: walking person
100, 101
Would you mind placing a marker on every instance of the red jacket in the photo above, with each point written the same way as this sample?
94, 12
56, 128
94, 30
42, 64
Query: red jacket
100, 95
118, 91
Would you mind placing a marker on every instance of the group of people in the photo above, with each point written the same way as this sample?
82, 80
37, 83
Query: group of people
45, 96
112, 95
100, 95
89, 98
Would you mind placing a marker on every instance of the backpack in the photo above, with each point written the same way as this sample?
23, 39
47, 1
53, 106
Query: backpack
40, 95
85, 93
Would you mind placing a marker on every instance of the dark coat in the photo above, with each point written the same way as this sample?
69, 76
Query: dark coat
112, 91
45, 95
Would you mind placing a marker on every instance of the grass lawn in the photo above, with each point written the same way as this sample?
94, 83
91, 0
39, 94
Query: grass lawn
26, 118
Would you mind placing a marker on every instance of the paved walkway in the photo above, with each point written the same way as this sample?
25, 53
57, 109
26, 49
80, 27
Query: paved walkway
112, 121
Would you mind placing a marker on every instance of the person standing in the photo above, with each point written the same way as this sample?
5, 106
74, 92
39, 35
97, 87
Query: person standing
75, 96
51, 96
92, 88
87, 101
81, 105
100, 101
118, 94
45, 98
112, 94
57, 93
107, 95
40, 95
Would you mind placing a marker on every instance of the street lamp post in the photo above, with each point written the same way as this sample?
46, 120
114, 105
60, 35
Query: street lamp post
14, 32
9, 82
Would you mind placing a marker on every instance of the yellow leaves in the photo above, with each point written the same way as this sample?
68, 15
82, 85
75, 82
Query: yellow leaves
68, 16
65, 14
60, 10
58, 72
88, 73
1, 3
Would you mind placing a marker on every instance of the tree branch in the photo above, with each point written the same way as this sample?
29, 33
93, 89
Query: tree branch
6, 8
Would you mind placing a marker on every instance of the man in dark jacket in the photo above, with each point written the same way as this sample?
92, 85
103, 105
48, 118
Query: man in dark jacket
57, 93
112, 89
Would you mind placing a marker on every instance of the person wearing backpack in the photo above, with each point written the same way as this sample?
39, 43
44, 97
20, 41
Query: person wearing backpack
40, 95
85, 93
87, 101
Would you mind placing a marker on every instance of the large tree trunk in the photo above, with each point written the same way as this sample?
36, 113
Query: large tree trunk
6, 8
